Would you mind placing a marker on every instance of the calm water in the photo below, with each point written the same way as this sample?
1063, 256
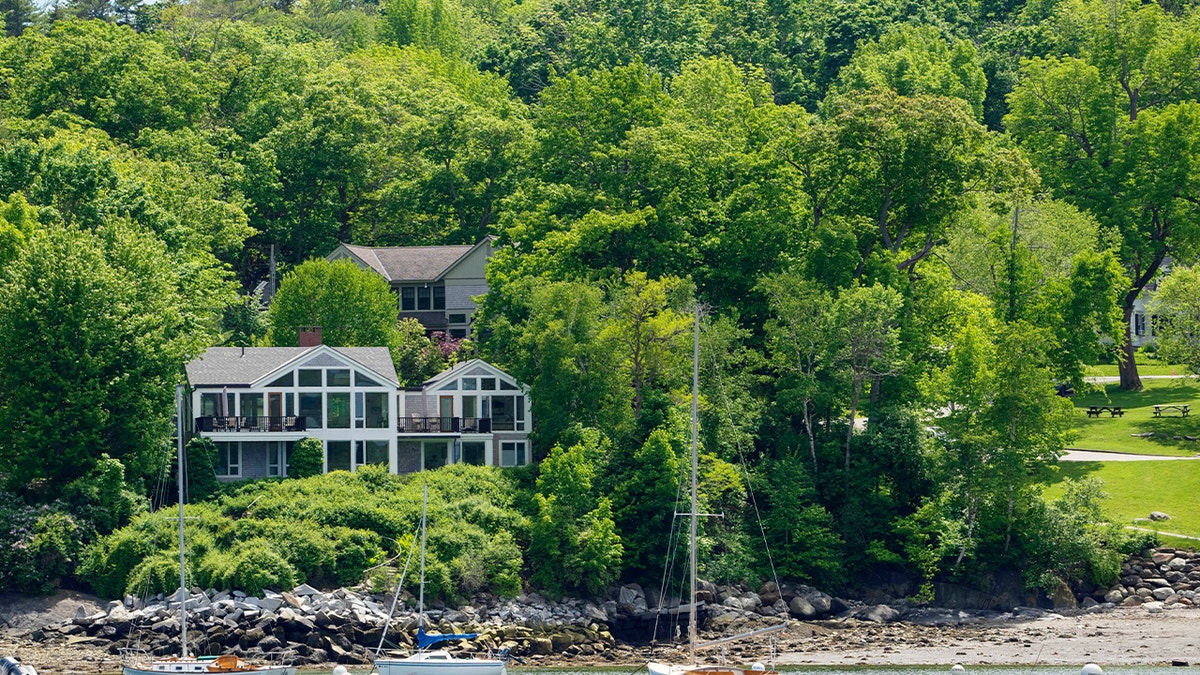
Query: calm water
867, 670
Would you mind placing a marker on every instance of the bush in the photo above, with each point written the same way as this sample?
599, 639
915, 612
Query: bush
252, 567
158, 573
38, 544
308, 458
102, 498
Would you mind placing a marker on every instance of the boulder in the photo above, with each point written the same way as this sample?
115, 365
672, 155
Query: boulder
1159, 515
801, 608
1114, 596
879, 614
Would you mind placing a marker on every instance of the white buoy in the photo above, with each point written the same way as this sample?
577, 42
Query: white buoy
340, 670
758, 666
1092, 669
957, 668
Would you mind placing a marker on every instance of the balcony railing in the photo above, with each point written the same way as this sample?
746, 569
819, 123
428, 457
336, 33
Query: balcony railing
444, 425
233, 423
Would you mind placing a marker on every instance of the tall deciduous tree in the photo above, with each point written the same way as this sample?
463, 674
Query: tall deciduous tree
354, 307
1116, 131
865, 326
94, 339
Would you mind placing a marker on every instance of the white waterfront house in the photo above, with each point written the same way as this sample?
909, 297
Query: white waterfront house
255, 403
473, 413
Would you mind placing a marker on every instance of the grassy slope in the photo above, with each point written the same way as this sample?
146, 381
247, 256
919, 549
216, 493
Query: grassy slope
1147, 368
1114, 433
1137, 488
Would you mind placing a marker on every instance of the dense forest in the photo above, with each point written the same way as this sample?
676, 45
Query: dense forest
906, 222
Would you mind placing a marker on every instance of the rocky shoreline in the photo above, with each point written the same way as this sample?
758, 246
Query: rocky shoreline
313, 628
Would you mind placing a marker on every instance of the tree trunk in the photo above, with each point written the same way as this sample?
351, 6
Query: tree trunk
812, 441
1127, 364
853, 415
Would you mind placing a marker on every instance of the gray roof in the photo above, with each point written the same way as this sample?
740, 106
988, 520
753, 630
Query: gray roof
235, 366
410, 263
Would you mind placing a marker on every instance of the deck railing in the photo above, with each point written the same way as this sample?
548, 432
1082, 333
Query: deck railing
219, 423
444, 425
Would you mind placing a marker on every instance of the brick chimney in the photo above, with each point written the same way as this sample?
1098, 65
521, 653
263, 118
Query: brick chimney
310, 336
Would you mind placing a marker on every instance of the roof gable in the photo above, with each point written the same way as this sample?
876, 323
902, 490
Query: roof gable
409, 263
253, 366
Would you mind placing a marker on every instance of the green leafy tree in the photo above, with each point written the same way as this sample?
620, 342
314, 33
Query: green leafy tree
1177, 305
354, 307
201, 458
914, 60
1112, 129
866, 333
95, 339
573, 541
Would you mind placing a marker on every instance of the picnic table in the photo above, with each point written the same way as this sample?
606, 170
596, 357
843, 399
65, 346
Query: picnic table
1112, 410
1182, 408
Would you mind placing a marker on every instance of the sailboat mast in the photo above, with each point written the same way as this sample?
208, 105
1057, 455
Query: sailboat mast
183, 648
424, 522
695, 508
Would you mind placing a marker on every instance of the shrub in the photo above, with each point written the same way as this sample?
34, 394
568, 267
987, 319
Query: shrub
38, 545
102, 498
308, 458
252, 567
158, 573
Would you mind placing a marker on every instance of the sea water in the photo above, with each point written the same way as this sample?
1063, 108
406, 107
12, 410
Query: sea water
864, 670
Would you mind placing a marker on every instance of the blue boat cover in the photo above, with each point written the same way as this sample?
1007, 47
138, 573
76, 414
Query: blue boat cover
426, 640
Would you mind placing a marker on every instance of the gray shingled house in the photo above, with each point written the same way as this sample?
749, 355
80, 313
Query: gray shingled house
433, 284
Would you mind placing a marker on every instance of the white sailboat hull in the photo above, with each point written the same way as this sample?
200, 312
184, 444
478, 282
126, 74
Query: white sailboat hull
421, 664
657, 668
210, 666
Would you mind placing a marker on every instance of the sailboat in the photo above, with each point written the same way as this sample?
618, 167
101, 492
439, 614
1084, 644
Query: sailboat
436, 661
693, 666
140, 663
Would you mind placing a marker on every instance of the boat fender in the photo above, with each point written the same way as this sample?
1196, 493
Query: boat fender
1091, 669
957, 668
758, 667
11, 666
340, 670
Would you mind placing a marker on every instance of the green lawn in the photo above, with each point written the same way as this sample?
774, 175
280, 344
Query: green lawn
1137, 488
1114, 434
1150, 367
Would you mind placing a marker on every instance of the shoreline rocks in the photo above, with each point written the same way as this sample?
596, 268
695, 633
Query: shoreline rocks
1163, 575
309, 626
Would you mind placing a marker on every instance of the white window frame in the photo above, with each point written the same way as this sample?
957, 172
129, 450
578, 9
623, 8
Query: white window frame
232, 467
511, 447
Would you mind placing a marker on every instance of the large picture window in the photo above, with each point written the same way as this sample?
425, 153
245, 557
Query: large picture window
337, 455
338, 410
311, 410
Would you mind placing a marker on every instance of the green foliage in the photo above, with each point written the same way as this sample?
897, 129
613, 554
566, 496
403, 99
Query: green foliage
325, 530
574, 543
251, 566
94, 317
201, 466
917, 60
354, 307
1175, 303
308, 458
